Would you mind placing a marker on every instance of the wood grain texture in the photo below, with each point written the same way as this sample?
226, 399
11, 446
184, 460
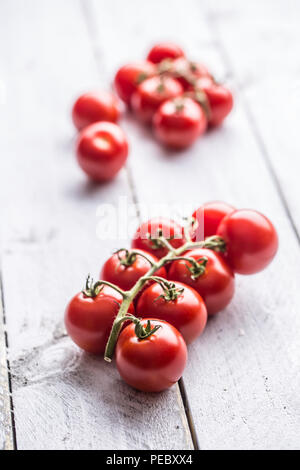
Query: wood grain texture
243, 374
6, 427
265, 64
63, 399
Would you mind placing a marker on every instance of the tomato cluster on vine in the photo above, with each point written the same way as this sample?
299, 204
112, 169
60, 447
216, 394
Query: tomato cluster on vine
178, 97
154, 299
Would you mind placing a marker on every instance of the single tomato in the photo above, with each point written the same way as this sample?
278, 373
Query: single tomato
215, 283
251, 240
179, 122
152, 364
208, 217
177, 304
146, 236
219, 98
95, 106
102, 150
164, 50
151, 93
125, 268
89, 318
130, 76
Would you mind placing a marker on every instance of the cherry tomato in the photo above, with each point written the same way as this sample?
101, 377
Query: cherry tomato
186, 72
220, 100
130, 76
124, 269
208, 217
164, 50
178, 122
152, 364
102, 150
251, 240
186, 310
93, 107
146, 235
151, 93
89, 320
215, 285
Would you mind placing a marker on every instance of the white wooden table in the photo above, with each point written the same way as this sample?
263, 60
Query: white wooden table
241, 386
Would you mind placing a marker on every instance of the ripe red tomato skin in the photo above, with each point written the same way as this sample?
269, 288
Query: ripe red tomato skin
187, 313
125, 277
179, 129
89, 320
147, 98
128, 77
251, 239
95, 106
152, 364
165, 50
208, 217
102, 150
216, 285
169, 228
220, 100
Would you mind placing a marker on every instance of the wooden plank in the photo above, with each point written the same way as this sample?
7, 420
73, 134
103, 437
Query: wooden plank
265, 64
6, 428
243, 374
63, 399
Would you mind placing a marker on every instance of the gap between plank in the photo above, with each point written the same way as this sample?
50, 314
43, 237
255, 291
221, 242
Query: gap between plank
11, 405
92, 34
249, 114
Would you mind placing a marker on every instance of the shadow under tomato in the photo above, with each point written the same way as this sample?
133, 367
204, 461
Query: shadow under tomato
87, 188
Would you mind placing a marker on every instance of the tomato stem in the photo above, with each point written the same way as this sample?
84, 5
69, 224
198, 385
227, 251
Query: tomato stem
93, 289
130, 257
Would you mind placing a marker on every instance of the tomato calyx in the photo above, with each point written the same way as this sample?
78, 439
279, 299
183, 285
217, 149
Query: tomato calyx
196, 266
140, 331
93, 289
161, 87
130, 257
170, 291
215, 243
164, 66
141, 77
160, 241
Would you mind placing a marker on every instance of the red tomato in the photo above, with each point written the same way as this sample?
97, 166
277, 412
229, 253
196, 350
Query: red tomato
208, 217
251, 240
146, 235
124, 271
151, 93
93, 107
186, 72
89, 320
216, 285
102, 150
130, 76
220, 100
178, 122
187, 312
164, 50
152, 364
